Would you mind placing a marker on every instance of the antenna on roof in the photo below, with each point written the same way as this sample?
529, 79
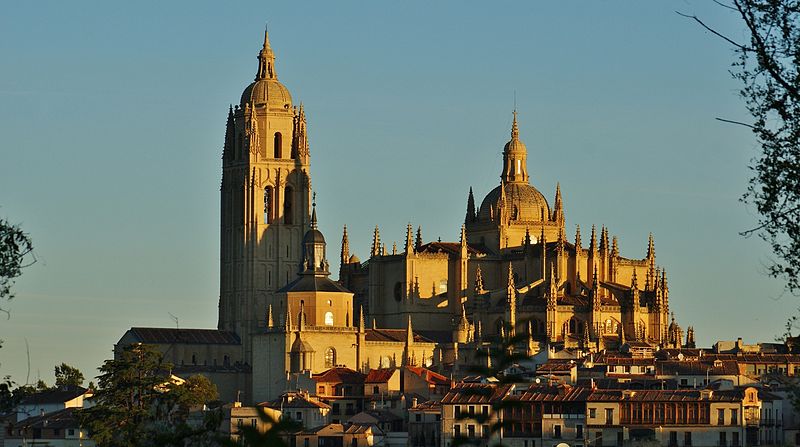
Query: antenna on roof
175, 319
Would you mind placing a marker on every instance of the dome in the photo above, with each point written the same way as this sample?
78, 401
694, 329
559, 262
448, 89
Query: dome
515, 145
354, 259
529, 203
313, 236
269, 92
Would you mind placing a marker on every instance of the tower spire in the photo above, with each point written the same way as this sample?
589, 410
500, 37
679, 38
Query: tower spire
345, 255
266, 60
470, 208
314, 211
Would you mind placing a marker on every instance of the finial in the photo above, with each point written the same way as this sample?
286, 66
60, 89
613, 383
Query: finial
651, 250
314, 211
514, 127
634, 284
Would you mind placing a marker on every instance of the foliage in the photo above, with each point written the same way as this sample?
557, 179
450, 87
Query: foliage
15, 246
272, 437
768, 68
137, 402
495, 364
68, 376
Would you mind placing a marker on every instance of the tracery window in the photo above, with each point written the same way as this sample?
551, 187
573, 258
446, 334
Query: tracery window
268, 204
328, 318
287, 205
330, 357
277, 145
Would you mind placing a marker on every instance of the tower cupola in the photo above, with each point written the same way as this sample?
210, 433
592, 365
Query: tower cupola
314, 260
515, 154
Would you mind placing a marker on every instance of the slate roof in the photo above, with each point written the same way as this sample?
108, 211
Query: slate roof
665, 396
392, 335
312, 283
296, 401
723, 367
160, 335
56, 396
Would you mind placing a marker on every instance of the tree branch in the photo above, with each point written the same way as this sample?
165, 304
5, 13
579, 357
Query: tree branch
722, 36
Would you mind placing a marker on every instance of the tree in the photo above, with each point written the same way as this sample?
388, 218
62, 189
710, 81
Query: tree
15, 246
68, 376
138, 402
768, 67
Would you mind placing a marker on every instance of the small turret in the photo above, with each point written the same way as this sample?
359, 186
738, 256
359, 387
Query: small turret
511, 301
344, 256
376, 242
604, 248
361, 328
470, 217
558, 207
409, 240
578, 239
593, 242
418, 241
287, 320
690, 337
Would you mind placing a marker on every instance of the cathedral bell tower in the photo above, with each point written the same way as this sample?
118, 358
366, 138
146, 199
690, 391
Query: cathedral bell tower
265, 198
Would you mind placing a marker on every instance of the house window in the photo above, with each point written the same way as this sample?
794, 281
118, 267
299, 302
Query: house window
470, 431
457, 411
720, 417
592, 413
723, 439
734, 417
579, 431
376, 390
71, 432
687, 438
735, 438
609, 416
456, 431
557, 431
328, 318
673, 439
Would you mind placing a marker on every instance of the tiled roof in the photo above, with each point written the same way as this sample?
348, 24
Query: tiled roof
665, 395
428, 405
475, 393
158, 335
551, 366
564, 393
379, 375
339, 375
392, 335
428, 375
722, 367
296, 401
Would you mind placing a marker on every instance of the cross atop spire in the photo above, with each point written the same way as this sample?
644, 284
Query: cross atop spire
514, 126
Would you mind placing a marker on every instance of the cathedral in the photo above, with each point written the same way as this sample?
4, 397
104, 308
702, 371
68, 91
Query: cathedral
514, 271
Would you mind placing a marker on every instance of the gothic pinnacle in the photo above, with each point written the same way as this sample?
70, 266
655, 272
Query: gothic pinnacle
651, 251
269, 316
409, 240
345, 255
418, 241
593, 240
577, 239
470, 217
376, 242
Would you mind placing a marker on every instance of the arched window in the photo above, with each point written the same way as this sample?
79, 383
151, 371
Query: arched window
330, 358
268, 204
398, 291
328, 318
278, 144
572, 326
287, 205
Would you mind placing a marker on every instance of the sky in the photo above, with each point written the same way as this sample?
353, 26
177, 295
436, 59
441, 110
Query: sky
112, 118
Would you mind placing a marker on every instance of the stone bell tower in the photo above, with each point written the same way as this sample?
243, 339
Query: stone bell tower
265, 198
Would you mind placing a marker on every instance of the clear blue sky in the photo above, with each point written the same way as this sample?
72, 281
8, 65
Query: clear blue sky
112, 120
